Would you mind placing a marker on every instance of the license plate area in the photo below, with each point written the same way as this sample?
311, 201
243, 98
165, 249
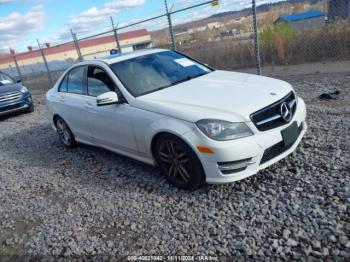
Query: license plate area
290, 134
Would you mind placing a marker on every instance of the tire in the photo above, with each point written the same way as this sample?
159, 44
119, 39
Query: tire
64, 133
178, 163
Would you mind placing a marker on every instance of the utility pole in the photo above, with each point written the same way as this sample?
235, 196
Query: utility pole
80, 57
116, 35
256, 39
45, 62
171, 30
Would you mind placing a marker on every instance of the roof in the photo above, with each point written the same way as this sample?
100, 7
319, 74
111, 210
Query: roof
122, 56
301, 16
129, 55
70, 46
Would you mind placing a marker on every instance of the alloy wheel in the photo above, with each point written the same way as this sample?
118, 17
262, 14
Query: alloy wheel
176, 161
63, 132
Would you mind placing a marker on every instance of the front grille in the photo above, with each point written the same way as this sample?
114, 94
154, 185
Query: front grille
277, 149
8, 97
270, 117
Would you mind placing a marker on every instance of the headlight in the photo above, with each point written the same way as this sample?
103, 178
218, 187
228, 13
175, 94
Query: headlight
24, 90
223, 130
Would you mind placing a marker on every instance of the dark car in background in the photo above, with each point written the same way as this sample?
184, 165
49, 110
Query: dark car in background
14, 97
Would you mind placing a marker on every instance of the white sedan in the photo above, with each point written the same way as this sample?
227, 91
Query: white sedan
163, 108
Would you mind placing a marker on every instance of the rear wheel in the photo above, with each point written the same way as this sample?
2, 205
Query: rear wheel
178, 162
64, 133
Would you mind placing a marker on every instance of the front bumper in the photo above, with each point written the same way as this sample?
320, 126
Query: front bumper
24, 103
248, 150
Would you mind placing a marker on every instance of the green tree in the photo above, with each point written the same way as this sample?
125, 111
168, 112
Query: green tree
274, 41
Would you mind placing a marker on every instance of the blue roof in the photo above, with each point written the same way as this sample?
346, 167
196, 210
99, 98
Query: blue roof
302, 16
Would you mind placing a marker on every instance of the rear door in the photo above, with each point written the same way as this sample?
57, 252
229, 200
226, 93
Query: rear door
73, 97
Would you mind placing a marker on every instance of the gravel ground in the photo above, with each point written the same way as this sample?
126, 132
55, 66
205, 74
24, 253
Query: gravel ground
90, 202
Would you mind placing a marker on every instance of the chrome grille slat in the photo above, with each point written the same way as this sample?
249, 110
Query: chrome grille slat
292, 103
10, 96
274, 117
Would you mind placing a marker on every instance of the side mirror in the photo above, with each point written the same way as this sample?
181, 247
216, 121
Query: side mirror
108, 98
19, 81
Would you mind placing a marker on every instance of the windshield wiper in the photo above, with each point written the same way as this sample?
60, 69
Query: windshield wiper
187, 79
154, 90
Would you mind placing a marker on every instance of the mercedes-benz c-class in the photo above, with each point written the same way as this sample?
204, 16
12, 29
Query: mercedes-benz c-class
197, 124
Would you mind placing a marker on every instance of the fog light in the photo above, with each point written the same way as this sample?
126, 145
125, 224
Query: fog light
235, 166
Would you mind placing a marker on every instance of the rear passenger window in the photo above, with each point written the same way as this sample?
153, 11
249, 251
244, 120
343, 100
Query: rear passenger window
63, 85
75, 81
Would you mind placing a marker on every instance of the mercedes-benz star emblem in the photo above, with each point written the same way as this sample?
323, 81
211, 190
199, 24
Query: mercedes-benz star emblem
286, 112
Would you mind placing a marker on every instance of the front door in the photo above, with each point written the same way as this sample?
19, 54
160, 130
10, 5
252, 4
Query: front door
110, 125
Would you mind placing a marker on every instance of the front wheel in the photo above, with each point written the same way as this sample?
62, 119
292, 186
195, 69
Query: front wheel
178, 162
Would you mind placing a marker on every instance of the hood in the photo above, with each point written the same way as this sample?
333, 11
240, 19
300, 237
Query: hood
219, 95
9, 88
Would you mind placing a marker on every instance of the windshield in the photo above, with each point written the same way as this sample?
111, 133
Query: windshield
5, 79
149, 73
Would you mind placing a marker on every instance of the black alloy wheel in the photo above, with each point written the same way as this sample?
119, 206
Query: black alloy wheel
178, 162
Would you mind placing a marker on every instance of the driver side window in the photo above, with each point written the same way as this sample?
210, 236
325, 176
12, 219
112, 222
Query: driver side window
99, 82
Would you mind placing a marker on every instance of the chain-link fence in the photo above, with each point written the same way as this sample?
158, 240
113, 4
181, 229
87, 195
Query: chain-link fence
223, 42
295, 34
122, 38
271, 37
292, 37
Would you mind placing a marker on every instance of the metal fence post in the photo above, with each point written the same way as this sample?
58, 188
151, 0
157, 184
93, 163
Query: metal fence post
171, 30
16, 64
256, 39
116, 35
80, 57
45, 62
78, 47
11, 69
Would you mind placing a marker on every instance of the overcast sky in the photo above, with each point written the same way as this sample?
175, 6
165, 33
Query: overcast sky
23, 21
